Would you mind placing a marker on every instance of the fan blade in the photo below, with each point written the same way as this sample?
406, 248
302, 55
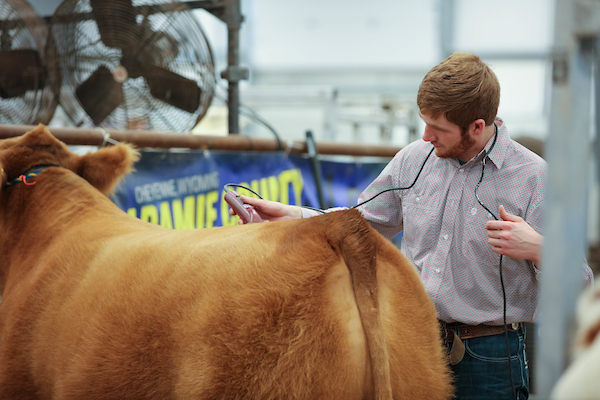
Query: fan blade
100, 94
20, 70
116, 20
172, 88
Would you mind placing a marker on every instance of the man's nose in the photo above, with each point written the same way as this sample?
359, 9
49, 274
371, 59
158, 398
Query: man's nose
427, 135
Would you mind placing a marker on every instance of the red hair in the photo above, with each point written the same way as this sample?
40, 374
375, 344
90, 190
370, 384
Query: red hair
462, 88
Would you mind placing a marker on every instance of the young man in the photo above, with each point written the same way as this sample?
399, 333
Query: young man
471, 224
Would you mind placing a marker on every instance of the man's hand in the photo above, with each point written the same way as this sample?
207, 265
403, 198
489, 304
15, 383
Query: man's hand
513, 237
270, 211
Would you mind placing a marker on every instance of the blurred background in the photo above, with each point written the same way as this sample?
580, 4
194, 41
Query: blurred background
349, 70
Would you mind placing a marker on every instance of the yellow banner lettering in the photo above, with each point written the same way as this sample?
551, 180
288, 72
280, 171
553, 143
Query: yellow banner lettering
290, 177
254, 185
211, 211
183, 214
273, 191
165, 215
200, 211
149, 213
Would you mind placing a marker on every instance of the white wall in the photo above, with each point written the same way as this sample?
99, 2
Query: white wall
520, 30
341, 34
504, 26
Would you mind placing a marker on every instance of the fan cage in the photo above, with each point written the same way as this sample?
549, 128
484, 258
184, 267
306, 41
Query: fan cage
170, 37
21, 28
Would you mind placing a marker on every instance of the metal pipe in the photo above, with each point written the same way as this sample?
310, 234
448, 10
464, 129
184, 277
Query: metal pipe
447, 16
233, 74
233, 86
596, 143
567, 150
163, 140
142, 9
316, 167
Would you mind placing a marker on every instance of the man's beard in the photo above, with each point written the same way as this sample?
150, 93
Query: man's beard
466, 142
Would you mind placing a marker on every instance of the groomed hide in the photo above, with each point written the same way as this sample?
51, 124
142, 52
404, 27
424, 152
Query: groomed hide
99, 305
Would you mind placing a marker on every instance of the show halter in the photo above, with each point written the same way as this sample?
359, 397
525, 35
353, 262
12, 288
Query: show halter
30, 173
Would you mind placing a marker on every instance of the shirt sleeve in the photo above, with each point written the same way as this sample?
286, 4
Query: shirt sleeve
380, 203
307, 212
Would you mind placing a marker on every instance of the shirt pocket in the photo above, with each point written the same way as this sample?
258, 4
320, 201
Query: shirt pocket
422, 216
475, 236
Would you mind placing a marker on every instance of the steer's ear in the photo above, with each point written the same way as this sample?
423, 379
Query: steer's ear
105, 167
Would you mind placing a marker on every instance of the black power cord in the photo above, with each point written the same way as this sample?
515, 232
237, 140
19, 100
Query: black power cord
514, 392
386, 190
400, 188
227, 187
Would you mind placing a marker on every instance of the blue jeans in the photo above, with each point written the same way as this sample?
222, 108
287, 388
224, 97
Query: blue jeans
483, 372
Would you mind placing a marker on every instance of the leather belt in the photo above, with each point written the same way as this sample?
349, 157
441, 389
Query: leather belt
473, 331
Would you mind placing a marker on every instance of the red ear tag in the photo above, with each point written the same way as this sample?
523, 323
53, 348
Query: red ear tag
24, 179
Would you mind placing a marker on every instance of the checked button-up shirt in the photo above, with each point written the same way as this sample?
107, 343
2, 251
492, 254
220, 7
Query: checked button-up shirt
444, 232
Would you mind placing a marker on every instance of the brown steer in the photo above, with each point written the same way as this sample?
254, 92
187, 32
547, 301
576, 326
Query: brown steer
99, 305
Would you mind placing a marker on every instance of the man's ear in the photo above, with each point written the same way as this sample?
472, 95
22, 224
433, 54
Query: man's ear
105, 168
477, 127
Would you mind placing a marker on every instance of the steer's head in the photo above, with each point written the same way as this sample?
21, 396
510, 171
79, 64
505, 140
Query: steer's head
103, 168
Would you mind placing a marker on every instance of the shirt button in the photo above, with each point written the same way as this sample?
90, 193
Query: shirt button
461, 170
445, 237
418, 198
473, 211
437, 270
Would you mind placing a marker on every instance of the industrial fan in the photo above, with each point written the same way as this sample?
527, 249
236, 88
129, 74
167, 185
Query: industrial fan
129, 64
25, 93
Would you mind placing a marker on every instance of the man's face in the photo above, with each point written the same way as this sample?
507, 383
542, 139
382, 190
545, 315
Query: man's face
447, 138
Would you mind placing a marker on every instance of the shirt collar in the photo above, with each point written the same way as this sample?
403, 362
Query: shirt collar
497, 154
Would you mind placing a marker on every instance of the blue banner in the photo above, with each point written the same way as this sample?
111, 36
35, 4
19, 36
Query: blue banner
184, 190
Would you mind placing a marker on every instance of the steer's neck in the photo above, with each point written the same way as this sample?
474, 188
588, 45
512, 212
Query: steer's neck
33, 216
58, 197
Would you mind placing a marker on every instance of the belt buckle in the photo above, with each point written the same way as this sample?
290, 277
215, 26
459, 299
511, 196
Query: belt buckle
516, 326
